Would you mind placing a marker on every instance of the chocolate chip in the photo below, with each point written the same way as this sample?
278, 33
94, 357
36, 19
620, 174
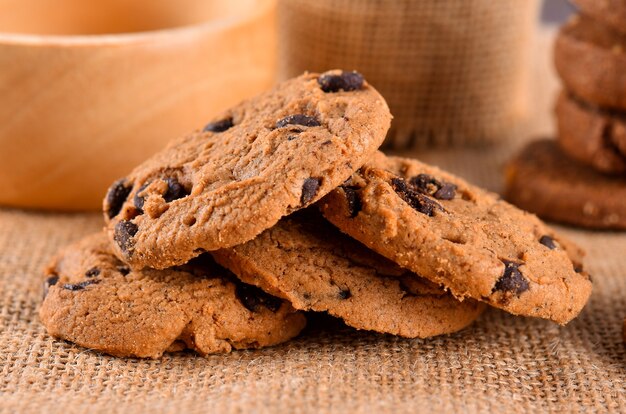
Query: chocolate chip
347, 81
124, 270
139, 200
345, 294
93, 272
51, 281
116, 196
416, 200
175, 190
354, 200
252, 297
219, 126
80, 286
512, 280
429, 185
124, 231
548, 242
309, 189
578, 268
424, 183
446, 192
298, 119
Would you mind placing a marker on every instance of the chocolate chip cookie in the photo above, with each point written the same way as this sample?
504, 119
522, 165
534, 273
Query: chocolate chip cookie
308, 262
93, 299
591, 61
461, 237
250, 166
609, 12
545, 181
591, 135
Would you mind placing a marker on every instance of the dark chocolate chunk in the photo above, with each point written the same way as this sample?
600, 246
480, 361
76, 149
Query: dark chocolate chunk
124, 231
252, 297
116, 196
175, 190
93, 272
345, 294
124, 270
424, 183
347, 81
298, 119
51, 281
429, 185
548, 242
219, 126
578, 268
446, 192
415, 199
512, 280
80, 286
309, 189
139, 200
354, 200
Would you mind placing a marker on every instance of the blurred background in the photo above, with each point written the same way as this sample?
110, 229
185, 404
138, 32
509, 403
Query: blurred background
556, 11
90, 89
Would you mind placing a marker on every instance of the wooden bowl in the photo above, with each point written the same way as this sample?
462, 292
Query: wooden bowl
89, 89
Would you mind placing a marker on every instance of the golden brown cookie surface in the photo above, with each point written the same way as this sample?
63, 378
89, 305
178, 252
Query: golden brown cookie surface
591, 62
462, 237
542, 179
609, 12
257, 162
591, 135
307, 261
95, 300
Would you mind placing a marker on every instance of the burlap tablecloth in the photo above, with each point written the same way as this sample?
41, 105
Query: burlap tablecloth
500, 364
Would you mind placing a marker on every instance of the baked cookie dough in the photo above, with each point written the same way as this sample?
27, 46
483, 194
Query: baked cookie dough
590, 59
461, 237
255, 163
591, 135
609, 12
93, 299
307, 261
543, 180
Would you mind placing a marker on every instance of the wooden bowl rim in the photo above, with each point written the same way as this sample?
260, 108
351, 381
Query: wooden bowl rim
214, 25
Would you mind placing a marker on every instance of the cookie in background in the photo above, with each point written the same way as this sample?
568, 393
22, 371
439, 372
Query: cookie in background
580, 179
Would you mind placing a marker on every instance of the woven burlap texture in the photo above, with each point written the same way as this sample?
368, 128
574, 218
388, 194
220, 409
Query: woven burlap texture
500, 364
451, 71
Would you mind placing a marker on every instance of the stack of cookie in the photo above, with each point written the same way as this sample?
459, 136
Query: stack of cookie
581, 178
282, 205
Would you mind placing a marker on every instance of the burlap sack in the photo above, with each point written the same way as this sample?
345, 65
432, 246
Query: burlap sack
452, 71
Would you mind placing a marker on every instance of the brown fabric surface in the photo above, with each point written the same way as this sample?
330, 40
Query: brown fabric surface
451, 71
500, 364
